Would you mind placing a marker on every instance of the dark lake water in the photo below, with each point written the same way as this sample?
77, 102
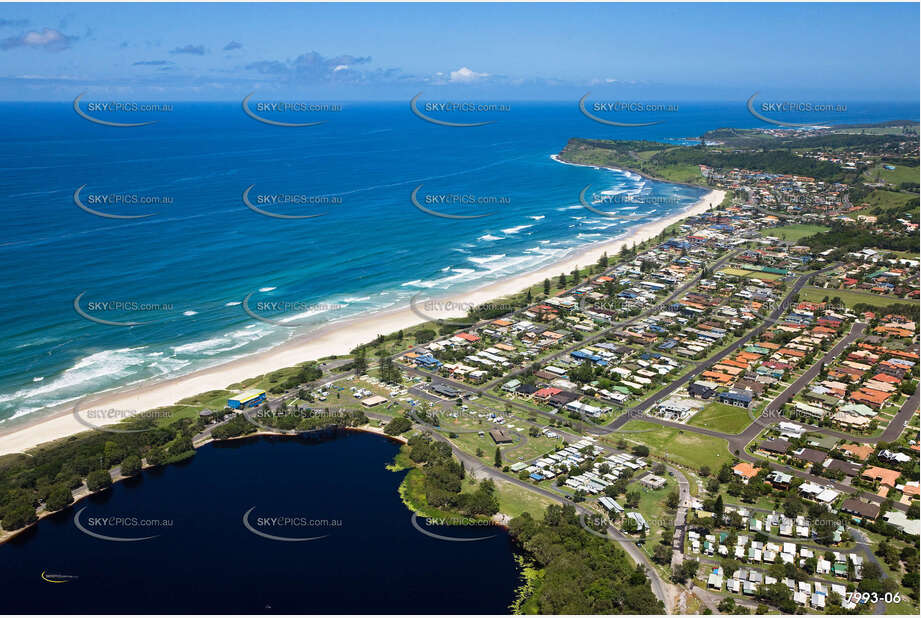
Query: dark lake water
203, 559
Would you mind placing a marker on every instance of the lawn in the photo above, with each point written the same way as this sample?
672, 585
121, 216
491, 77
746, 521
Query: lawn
683, 447
722, 417
794, 232
751, 274
900, 174
851, 297
652, 506
885, 200
515, 500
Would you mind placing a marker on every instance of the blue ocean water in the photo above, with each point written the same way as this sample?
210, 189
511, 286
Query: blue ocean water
193, 263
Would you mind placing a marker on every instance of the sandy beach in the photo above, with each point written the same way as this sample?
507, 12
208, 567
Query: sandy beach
329, 340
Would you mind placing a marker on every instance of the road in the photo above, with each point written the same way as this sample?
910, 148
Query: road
772, 411
479, 470
637, 410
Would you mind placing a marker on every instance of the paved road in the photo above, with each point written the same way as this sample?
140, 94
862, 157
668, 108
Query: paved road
479, 470
664, 393
681, 515
773, 411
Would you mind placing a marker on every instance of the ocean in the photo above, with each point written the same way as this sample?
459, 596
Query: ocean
206, 279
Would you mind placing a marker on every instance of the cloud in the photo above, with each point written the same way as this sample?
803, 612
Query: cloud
314, 67
233, 45
465, 76
195, 50
152, 63
48, 39
14, 23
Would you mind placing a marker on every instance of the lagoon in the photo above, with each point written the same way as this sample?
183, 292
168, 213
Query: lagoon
203, 559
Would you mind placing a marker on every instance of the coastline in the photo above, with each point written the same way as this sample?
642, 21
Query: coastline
332, 339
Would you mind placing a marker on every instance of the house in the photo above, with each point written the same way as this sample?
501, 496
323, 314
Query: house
858, 451
809, 455
741, 399
445, 390
780, 480
610, 505
861, 509
894, 458
883, 475
652, 481
839, 465
640, 522
746, 471
698, 389
372, 401
777, 446
500, 437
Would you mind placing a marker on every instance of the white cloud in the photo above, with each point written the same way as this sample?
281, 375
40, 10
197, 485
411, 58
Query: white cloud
48, 39
464, 76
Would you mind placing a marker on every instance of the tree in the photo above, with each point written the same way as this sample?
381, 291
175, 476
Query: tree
397, 426
640, 450
685, 571
361, 361
662, 554
726, 605
671, 501
546, 287
98, 480
155, 457
18, 514
59, 497
498, 457
131, 465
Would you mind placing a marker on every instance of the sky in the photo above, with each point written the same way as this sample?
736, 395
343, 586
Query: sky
686, 51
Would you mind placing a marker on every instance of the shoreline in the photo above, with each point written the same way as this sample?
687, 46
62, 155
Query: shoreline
328, 340
82, 493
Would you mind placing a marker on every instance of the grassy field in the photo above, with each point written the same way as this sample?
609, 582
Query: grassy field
515, 500
885, 199
900, 174
851, 297
722, 417
683, 447
794, 232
